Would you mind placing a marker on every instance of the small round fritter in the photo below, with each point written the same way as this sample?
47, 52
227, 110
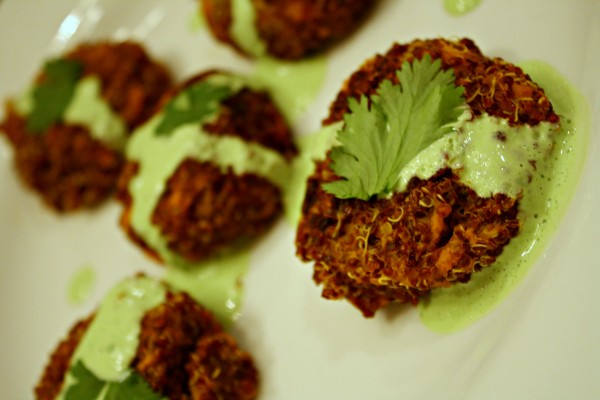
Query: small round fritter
183, 353
203, 209
436, 232
68, 167
291, 29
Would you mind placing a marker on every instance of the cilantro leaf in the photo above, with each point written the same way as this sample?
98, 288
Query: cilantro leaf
195, 103
52, 95
87, 385
378, 141
134, 387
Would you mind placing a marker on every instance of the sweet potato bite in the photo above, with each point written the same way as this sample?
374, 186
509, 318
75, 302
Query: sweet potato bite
437, 231
208, 205
72, 155
182, 353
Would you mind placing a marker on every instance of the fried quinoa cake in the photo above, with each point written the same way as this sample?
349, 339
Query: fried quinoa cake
205, 208
183, 353
65, 164
290, 29
436, 232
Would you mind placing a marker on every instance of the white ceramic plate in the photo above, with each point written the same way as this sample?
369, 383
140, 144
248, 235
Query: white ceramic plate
540, 343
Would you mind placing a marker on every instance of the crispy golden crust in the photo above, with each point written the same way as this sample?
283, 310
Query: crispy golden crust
54, 374
67, 167
218, 369
168, 337
252, 116
204, 210
292, 29
217, 14
179, 342
338, 285
438, 231
435, 233
132, 83
491, 85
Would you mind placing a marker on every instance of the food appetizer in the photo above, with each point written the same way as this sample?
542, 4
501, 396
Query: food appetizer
283, 29
204, 175
146, 341
69, 130
435, 144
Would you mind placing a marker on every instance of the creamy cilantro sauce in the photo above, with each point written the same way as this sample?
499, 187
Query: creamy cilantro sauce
292, 85
243, 29
312, 147
215, 283
111, 341
489, 155
196, 21
88, 108
460, 7
544, 203
81, 285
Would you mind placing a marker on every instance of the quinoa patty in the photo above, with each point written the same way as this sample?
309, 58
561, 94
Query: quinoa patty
65, 165
181, 347
291, 29
204, 209
436, 232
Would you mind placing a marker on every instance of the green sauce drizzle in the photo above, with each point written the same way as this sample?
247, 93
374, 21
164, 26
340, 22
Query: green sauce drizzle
243, 29
292, 85
215, 283
89, 109
81, 285
111, 341
312, 148
489, 155
196, 21
460, 7
544, 203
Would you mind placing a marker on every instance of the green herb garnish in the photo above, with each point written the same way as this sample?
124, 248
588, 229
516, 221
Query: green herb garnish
52, 95
88, 386
193, 104
378, 141
134, 387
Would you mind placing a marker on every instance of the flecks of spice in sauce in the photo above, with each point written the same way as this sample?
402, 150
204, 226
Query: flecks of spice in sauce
549, 194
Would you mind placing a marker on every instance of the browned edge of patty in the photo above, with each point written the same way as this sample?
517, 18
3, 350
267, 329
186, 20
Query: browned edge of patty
49, 385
